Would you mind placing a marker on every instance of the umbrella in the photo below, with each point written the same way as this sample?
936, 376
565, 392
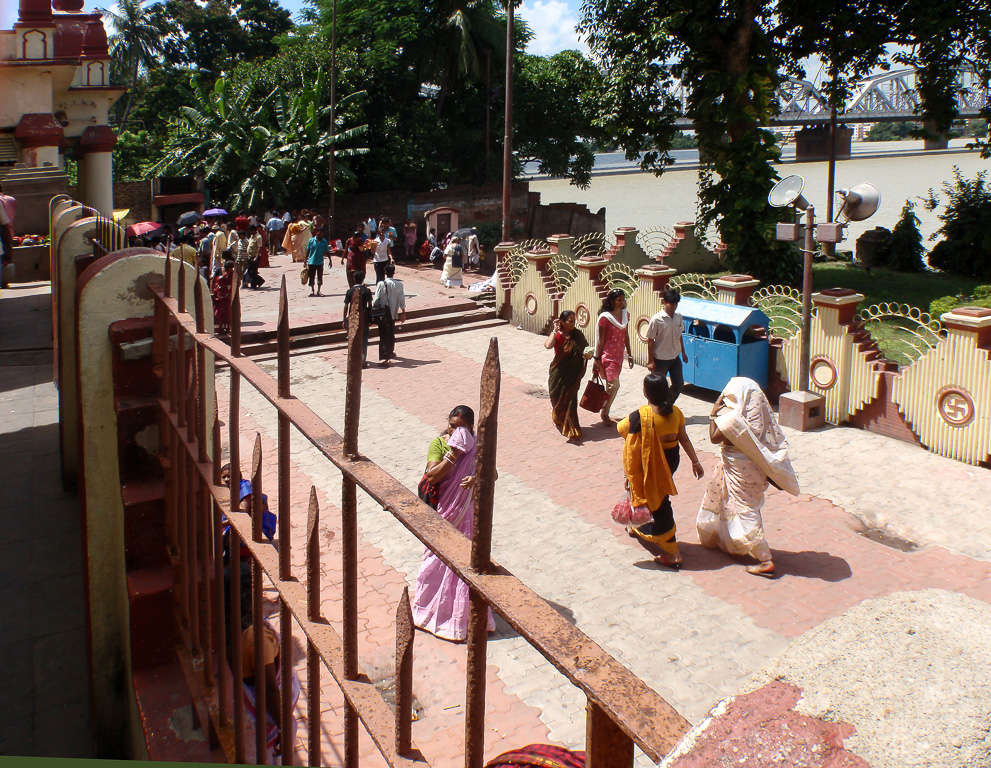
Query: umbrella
215, 212
464, 232
190, 217
142, 228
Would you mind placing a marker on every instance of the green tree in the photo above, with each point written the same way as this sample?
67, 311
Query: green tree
727, 59
966, 245
903, 250
215, 36
251, 152
134, 45
555, 104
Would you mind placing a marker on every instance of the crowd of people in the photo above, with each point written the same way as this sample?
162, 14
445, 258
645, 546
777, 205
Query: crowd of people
753, 454
753, 450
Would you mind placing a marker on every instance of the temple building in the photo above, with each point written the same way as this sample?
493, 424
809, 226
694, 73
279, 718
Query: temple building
55, 96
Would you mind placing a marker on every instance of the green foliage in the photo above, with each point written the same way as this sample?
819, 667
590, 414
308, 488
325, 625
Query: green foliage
133, 154
558, 95
218, 34
966, 245
135, 44
725, 58
729, 57
892, 131
917, 289
903, 250
980, 298
254, 151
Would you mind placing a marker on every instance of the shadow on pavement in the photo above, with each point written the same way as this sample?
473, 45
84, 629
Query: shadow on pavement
409, 362
806, 565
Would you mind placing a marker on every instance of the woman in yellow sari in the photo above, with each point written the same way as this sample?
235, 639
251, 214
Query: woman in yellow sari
652, 435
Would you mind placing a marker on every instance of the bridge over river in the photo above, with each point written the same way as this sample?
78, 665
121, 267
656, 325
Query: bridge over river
884, 97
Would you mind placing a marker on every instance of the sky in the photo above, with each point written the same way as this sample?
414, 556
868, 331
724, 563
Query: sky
552, 21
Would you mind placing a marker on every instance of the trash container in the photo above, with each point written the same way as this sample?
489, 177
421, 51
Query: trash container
723, 341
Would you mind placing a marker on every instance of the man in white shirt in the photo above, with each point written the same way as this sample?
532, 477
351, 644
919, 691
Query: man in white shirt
391, 295
665, 345
383, 254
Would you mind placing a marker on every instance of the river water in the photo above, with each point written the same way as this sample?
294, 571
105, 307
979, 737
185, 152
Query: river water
637, 199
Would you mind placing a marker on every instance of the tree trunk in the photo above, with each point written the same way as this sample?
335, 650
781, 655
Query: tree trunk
130, 97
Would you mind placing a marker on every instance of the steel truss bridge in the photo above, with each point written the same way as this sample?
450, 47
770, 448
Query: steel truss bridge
885, 97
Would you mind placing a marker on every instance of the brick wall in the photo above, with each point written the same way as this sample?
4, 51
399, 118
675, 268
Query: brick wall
135, 195
476, 205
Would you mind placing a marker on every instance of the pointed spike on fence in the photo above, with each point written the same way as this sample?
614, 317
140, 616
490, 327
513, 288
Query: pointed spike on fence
198, 304
487, 431
168, 275
404, 675
180, 265
282, 340
313, 557
217, 463
256, 489
236, 319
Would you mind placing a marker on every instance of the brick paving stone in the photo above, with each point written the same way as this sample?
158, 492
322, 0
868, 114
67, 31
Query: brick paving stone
712, 624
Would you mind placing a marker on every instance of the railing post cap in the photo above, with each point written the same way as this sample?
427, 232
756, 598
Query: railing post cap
505, 245
836, 297
656, 270
735, 281
967, 318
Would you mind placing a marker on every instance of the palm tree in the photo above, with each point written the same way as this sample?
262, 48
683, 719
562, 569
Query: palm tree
134, 45
461, 31
252, 150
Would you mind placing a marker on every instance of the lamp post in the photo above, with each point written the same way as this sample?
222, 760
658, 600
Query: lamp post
507, 149
333, 125
803, 409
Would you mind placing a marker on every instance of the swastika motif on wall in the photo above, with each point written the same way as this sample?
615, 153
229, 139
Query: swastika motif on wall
955, 406
582, 316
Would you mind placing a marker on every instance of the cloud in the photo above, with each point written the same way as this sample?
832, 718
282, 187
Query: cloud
553, 25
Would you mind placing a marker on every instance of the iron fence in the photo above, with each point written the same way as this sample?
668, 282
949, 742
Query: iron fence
621, 709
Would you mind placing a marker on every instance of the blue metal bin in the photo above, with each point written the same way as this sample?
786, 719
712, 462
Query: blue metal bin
723, 341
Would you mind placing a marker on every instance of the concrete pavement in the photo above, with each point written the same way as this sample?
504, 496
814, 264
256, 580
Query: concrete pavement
696, 636
44, 698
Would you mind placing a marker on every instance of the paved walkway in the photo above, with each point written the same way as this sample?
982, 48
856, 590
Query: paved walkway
694, 636
44, 698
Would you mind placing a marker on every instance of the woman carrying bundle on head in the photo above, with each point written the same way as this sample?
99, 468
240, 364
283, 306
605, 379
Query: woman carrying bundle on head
754, 453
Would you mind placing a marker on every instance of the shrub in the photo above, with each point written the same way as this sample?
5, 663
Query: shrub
903, 250
981, 298
966, 245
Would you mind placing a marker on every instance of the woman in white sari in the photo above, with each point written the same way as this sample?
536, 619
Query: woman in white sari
453, 264
754, 453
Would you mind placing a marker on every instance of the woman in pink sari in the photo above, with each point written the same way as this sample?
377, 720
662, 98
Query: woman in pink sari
440, 605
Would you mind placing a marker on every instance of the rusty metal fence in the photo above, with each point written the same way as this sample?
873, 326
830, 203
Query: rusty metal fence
621, 710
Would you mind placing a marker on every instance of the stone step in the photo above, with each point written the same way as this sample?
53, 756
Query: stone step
420, 326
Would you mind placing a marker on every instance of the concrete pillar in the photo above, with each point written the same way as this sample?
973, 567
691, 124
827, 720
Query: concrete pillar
561, 244
645, 303
585, 296
735, 289
813, 143
504, 286
96, 147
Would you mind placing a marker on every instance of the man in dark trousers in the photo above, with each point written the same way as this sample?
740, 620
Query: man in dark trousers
360, 293
390, 296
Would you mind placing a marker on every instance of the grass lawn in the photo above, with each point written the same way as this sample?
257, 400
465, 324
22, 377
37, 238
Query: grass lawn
916, 289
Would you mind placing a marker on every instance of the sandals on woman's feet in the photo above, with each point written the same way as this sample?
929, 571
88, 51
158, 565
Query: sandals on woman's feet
669, 561
763, 569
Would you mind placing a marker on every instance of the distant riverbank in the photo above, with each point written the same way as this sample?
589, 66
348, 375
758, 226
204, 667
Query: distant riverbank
899, 169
